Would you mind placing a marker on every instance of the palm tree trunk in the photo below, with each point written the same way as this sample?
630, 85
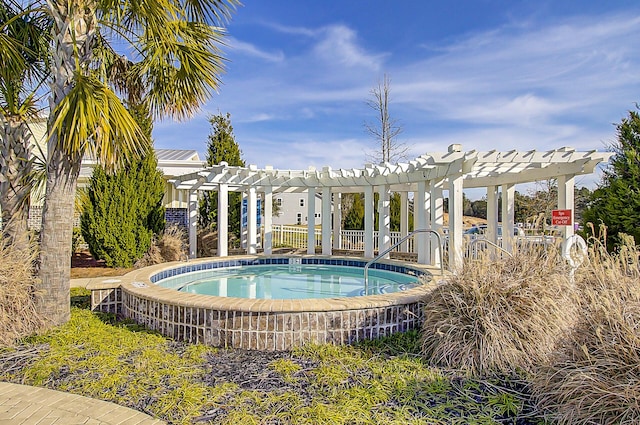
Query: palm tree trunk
15, 181
73, 30
56, 236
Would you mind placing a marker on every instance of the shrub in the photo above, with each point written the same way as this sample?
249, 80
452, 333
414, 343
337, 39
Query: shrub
499, 316
123, 212
170, 246
595, 379
19, 316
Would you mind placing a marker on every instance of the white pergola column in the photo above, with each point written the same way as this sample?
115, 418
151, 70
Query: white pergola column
404, 220
368, 221
337, 221
437, 220
456, 245
267, 243
193, 224
508, 216
384, 219
223, 220
311, 220
326, 221
492, 214
566, 201
420, 222
252, 221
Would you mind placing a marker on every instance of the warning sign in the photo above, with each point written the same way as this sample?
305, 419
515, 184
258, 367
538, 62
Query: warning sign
561, 217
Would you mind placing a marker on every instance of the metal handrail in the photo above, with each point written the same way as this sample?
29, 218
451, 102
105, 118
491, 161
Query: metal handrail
473, 242
388, 250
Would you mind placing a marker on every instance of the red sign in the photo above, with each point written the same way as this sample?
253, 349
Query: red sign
561, 217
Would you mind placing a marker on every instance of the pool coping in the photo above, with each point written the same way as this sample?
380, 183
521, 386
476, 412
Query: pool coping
138, 283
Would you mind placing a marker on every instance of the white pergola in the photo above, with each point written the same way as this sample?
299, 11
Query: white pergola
426, 177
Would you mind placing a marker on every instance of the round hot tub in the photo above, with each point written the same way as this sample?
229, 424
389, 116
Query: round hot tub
264, 309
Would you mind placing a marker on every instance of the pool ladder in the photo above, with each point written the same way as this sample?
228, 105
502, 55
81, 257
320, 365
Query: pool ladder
388, 250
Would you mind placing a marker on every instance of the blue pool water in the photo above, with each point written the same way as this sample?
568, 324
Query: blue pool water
289, 281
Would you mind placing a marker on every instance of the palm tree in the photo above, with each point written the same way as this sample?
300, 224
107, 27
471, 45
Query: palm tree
174, 49
26, 35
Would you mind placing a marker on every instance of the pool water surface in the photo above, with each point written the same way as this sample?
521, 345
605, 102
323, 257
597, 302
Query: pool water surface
289, 281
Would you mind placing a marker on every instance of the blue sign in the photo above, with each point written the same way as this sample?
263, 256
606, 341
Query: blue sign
244, 214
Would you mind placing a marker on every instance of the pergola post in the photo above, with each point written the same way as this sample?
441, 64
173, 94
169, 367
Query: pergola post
267, 243
326, 220
492, 214
368, 221
566, 201
404, 220
223, 220
337, 220
384, 219
508, 216
456, 244
420, 210
193, 224
437, 220
311, 220
252, 221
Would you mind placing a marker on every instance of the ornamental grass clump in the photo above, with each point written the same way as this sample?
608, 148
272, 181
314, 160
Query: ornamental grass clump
19, 316
595, 379
170, 246
500, 315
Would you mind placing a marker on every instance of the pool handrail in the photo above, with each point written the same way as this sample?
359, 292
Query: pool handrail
473, 242
388, 250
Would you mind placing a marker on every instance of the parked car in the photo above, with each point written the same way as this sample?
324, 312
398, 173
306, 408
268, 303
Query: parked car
482, 229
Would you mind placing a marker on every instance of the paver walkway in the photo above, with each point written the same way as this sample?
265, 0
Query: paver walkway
24, 405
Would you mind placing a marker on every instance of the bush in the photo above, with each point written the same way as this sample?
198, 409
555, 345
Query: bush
170, 246
499, 316
19, 316
123, 212
595, 379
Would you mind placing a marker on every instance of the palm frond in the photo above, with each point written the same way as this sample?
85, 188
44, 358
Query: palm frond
181, 69
91, 120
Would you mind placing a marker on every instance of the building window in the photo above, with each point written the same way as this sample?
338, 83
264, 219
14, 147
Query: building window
299, 220
302, 202
279, 202
317, 215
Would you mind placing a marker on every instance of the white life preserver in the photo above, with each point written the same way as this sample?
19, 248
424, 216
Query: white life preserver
574, 258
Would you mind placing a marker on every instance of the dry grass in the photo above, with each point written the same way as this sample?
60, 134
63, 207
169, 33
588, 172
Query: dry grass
19, 316
170, 246
596, 378
500, 316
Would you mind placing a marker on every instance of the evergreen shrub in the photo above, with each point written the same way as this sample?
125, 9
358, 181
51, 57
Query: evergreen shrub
123, 212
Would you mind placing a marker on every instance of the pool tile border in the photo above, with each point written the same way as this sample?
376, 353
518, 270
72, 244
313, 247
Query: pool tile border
261, 324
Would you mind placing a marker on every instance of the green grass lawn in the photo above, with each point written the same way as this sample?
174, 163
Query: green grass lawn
379, 382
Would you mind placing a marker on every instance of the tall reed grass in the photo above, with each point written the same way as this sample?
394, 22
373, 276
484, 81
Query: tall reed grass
500, 315
169, 246
595, 379
19, 316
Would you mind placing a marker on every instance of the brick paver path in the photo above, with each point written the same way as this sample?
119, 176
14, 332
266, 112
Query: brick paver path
24, 405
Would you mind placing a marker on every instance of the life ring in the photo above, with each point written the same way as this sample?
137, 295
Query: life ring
575, 259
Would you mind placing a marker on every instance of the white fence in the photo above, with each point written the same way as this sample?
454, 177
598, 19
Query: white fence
296, 237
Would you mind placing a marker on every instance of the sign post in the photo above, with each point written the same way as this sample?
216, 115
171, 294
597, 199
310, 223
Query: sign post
562, 217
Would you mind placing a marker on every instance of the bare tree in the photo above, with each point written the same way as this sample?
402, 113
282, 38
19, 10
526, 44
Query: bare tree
386, 129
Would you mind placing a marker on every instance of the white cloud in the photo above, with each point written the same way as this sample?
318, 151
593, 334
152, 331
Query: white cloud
251, 50
339, 44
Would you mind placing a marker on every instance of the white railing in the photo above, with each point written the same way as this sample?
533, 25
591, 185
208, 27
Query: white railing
296, 237
293, 236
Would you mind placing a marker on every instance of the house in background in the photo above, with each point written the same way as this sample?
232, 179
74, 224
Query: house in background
293, 209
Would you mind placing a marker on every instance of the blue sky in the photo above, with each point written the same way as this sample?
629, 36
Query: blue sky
486, 74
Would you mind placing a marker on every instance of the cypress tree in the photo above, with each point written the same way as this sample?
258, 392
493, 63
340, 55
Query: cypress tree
124, 209
616, 202
221, 147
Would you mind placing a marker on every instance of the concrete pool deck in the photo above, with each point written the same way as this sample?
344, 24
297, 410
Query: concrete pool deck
26, 405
